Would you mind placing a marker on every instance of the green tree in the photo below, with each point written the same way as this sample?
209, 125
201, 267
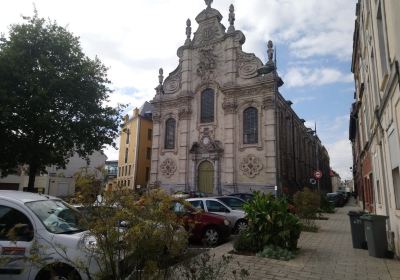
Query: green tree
52, 98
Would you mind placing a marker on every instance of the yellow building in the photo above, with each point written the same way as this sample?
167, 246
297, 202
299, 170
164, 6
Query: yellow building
135, 149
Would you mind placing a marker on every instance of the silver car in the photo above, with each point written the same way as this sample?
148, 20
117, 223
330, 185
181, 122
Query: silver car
237, 218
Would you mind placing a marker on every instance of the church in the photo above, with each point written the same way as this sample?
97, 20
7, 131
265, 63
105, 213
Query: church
220, 124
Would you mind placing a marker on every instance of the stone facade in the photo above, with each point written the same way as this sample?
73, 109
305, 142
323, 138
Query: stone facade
215, 117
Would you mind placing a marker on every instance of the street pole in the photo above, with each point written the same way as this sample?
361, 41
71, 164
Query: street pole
316, 152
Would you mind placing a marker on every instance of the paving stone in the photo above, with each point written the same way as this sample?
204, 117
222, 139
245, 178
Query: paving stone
327, 254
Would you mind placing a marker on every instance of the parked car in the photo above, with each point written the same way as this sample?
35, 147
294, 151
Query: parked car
237, 218
232, 201
337, 199
210, 228
244, 196
28, 220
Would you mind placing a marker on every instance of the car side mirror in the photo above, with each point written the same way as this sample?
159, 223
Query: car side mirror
226, 210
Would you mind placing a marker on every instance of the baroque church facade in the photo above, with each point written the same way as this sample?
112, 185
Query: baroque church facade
218, 118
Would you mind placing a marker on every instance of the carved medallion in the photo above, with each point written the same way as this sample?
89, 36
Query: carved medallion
168, 167
173, 82
251, 166
248, 64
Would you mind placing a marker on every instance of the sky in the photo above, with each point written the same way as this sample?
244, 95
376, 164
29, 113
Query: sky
134, 38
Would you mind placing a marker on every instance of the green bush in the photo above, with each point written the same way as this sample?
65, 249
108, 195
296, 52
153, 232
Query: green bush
275, 252
270, 222
244, 242
325, 205
308, 205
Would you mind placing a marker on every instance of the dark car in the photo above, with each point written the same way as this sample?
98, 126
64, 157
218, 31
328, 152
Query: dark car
210, 228
337, 199
244, 196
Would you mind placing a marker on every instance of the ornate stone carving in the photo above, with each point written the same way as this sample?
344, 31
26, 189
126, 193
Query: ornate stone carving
248, 64
231, 18
207, 64
173, 82
229, 106
188, 32
251, 166
159, 88
184, 113
268, 103
168, 167
156, 117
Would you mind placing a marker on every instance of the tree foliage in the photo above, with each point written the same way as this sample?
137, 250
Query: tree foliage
52, 98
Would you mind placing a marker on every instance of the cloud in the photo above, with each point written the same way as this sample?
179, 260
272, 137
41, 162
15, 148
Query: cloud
308, 27
341, 157
302, 99
300, 77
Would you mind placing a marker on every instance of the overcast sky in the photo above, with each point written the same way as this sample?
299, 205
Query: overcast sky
134, 38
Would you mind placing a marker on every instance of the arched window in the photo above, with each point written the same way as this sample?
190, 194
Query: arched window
207, 106
170, 133
250, 126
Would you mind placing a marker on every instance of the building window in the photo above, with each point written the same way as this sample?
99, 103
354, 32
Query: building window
207, 106
119, 171
128, 133
170, 133
147, 174
149, 134
148, 153
129, 183
129, 170
126, 155
126, 170
250, 126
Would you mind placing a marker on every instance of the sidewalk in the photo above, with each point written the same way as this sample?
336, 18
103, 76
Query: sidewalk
328, 254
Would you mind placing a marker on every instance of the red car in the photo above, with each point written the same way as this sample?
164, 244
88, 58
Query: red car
210, 228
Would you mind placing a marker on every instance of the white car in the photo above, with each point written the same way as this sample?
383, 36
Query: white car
237, 218
48, 228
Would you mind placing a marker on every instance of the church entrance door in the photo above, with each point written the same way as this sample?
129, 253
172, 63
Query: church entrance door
206, 177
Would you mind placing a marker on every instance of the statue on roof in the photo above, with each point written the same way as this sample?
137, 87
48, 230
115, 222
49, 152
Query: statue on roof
208, 3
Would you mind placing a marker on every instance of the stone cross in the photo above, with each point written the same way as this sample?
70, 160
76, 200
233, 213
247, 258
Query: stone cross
208, 3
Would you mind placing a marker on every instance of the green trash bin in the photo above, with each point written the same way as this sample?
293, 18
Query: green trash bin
357, 230
375, 231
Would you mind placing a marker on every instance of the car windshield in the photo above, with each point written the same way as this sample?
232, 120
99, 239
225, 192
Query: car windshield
57, 216
234, 203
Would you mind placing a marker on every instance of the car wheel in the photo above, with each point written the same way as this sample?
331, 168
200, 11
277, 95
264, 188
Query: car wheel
58, 273
240, 226
211, 236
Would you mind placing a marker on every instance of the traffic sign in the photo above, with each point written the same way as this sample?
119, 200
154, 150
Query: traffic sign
317, 174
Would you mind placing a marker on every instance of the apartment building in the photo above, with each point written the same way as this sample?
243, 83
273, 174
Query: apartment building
375, 113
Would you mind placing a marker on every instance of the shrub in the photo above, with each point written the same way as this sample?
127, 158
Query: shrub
326, 206
275, 252
270, 222
307, 204
244, 242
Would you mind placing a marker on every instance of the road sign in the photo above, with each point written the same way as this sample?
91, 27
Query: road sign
317, 174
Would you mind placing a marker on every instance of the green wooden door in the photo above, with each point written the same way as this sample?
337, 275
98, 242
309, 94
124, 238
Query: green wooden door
206, 177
